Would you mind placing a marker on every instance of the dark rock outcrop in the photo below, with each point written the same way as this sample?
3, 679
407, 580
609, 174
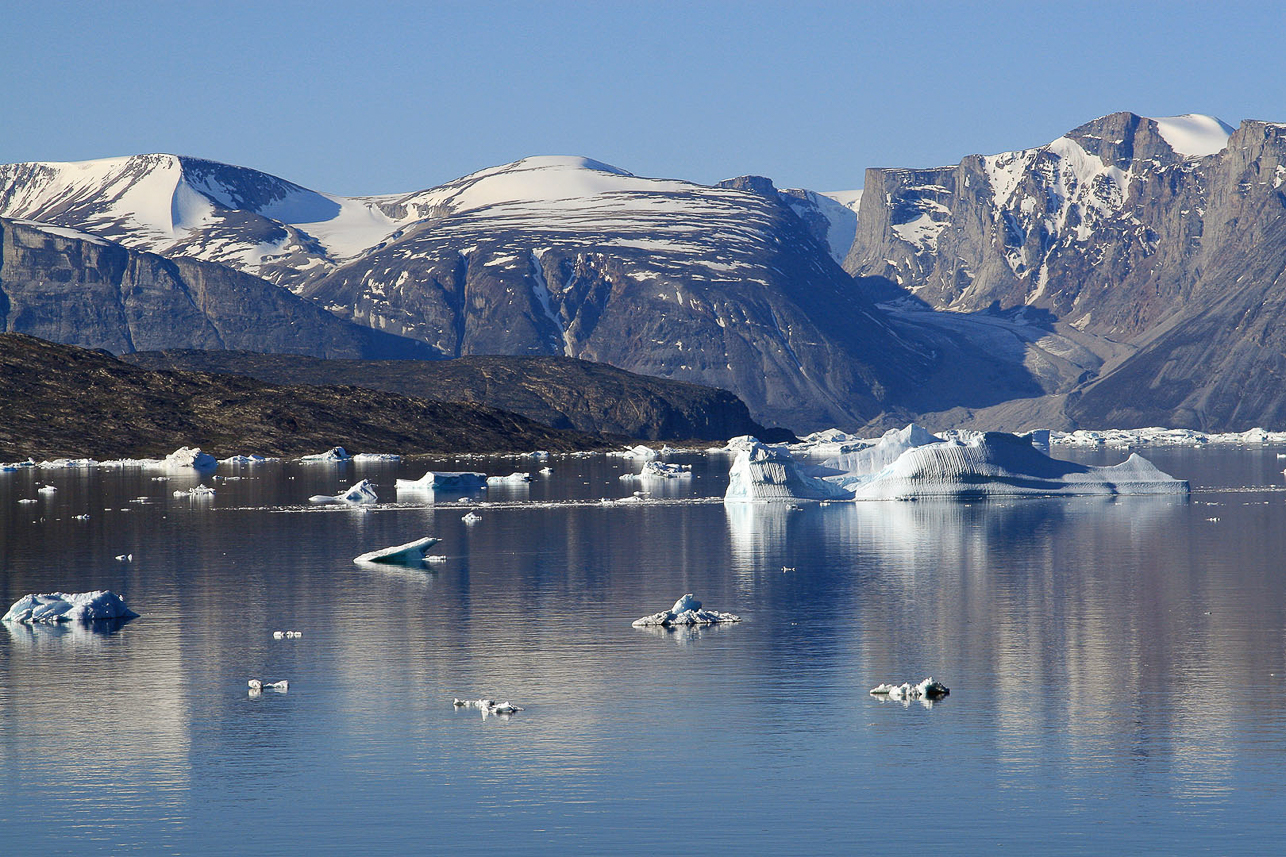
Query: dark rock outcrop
558, 391
63, 401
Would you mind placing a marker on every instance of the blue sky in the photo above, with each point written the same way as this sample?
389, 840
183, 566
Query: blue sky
369, 98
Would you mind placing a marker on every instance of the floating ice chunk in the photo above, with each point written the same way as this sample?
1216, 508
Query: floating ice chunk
80, 517
639, 453
545, 471
659, 470
539, 455
360, 494
686, 611
762, 472
125, 557
411, 553
11, 466
25, 500
927, 689
189, 457
196, 492
442, 480
487, 706
54, 607
471, 518
46, 489
511, 479
335, 453
1000, 464
258, 686
435, 558
376, 457
247, 459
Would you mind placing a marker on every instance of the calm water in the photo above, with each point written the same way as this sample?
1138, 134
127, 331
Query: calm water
1117, 669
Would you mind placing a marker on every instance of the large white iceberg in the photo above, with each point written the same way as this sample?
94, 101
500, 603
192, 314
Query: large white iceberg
762, 472
441, 480
686, 611
361, 493
411, 553
1000, 464
911, 463
55, 607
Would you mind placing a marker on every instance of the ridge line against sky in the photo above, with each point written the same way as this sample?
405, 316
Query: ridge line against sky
394, 97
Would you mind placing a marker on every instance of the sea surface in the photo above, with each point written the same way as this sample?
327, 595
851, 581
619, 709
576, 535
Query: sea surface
1117, 667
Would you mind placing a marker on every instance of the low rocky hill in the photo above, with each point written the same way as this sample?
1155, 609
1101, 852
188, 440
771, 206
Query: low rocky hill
561, 392
63, 401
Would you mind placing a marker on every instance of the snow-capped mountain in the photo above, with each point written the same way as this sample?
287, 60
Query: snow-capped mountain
735, 286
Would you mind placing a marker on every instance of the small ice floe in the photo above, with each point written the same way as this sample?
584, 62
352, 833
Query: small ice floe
686, 611
196, 492
247, 459
545, 471
471, 518
376, 457
55, 607
287, 635
125, 557
46, 489
26, 500
80, 517
928, 689
435, 558
411, 553
539, 455
257, 686
361, 493
334, 454
488, 706
12, 466
511, 479
639, 453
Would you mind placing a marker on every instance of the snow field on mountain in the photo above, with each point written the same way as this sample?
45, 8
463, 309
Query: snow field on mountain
1194, 135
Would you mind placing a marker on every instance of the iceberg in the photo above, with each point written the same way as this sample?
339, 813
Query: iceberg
659, 470
487, 706
640, 453
196, 491
511, 479
761, 472
912, 463
335, 453
376, 458
686, 611
927, 689
247, 459
1000, 464
441, 480
186, 457
411, 553
361, 493
54, 607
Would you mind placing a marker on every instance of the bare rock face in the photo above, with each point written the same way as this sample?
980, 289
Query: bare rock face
78, 289
1163, 236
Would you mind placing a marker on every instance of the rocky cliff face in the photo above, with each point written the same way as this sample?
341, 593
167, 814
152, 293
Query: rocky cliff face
79, 289
1163, 236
